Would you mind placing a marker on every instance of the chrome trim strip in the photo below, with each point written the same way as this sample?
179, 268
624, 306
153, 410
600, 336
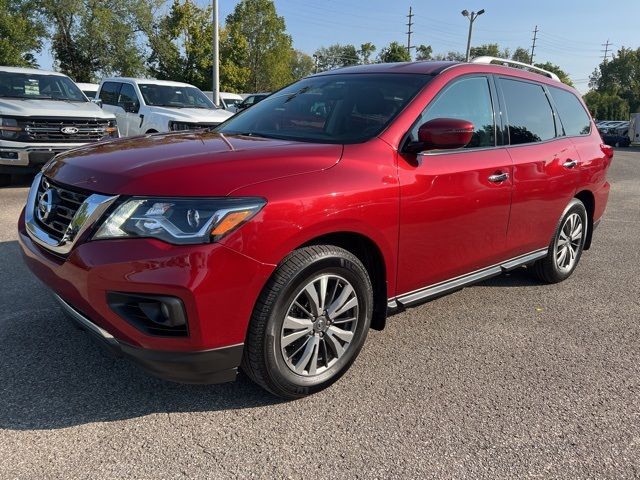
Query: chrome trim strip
85, 322
437, 289
86, 215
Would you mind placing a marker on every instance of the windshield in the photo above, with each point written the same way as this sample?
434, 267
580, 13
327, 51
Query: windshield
39, 87
347, 108
174, 97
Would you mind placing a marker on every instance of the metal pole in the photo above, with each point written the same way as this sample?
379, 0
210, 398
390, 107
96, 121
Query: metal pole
471, 19
216, 55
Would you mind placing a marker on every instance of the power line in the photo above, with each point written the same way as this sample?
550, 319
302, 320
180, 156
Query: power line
533, 45
409, 31
606, 50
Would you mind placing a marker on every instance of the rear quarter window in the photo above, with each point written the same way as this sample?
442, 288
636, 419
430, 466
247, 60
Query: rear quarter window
529, 112
574, 118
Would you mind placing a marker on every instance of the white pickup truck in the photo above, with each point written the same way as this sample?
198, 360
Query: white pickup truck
150, 106
41, 114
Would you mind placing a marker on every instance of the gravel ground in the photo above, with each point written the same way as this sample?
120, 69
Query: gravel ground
506, 379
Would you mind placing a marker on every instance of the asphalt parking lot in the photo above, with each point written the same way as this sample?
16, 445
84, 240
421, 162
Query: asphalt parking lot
507, 379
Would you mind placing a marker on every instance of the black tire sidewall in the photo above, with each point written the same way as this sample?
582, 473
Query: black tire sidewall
277, 369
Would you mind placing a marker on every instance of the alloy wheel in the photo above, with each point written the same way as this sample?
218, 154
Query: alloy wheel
319, 325
569, 242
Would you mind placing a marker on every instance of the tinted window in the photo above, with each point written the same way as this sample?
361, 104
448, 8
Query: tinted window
529, 112
466, 99
174, 96
575, 119
128, 97
109, 93
36, 86
336, 108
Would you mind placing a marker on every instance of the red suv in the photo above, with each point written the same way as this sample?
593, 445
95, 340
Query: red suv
274, 242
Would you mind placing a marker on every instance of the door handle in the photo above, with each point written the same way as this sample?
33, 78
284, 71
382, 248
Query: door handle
498, 177
570, 164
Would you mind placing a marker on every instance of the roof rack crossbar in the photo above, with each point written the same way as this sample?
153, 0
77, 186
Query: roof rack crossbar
513, 63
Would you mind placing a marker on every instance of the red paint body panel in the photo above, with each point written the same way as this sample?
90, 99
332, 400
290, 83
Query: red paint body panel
431, 219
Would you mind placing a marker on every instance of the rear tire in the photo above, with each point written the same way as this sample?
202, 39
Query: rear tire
300, 342
566, 246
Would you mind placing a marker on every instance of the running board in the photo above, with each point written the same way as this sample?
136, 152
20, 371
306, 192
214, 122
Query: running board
418, 296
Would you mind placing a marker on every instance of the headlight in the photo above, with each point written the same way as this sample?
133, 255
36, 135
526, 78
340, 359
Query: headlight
175, 126
9, 127
179, 220
112, 129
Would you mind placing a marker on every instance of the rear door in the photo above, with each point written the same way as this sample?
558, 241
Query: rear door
545, 164
454, 204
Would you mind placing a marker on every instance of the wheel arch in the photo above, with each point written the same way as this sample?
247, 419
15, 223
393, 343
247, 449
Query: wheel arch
589, 201
371, 256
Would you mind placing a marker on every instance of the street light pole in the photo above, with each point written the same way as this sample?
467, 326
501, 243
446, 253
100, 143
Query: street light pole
216, 56
471, 16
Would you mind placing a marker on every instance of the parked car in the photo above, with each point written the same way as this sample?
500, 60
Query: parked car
250, 100
151, 106
276, 241
228, 101
89, 89
43, 113
616, 140
634, 127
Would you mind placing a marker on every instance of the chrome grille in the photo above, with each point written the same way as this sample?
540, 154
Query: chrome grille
65, 204
51, 130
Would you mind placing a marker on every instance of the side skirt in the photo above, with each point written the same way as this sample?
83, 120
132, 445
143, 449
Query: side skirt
399, 303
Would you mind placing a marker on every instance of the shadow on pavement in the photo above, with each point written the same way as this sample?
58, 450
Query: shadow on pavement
53, 376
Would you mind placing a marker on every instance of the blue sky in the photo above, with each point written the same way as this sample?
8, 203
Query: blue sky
571, 33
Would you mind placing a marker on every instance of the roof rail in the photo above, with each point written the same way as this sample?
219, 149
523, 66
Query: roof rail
514, 64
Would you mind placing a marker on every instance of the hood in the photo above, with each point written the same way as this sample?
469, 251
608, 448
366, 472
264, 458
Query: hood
192, 114
186, 164
51, 108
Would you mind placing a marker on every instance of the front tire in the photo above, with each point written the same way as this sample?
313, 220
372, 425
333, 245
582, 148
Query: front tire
566, 246
310, 322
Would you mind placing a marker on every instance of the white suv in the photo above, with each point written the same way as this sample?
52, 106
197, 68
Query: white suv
43, 113
149, 106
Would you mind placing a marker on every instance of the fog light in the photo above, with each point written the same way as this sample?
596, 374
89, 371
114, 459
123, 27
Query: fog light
9, 155
160, 315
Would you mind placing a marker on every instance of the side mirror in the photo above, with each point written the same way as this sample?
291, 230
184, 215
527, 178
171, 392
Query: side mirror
443, 133
97, 101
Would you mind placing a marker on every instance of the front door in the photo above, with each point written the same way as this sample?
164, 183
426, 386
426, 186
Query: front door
454, 207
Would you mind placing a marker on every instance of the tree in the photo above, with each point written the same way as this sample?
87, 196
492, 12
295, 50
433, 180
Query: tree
521, 55
424, 52
620, 76
451, 56
606, 105
365, 52
181, 45
564, 78
394, 52
301, 65
92, 38
336, 56
490, 50
257, 48
21, 33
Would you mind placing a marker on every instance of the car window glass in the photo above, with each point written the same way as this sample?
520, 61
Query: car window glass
528, 111
174, 96
575, 119
466, 99
39, 87
249, 100
109, 93
128, 98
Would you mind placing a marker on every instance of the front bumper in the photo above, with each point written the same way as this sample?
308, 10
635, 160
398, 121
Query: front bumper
16, 157
217, 365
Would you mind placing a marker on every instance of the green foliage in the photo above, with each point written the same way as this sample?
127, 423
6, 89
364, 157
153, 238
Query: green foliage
491, 50
424, 52
365, 52
521, 55
451, 56
301, 65
619, 78
606, 105
551, 67
181, 45
394, 52
93, 38
21, 33
255, 50
336, 56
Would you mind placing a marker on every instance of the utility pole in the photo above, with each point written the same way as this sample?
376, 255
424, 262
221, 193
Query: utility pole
606, 50
472, 17
533, 45
216, 56
409, 31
